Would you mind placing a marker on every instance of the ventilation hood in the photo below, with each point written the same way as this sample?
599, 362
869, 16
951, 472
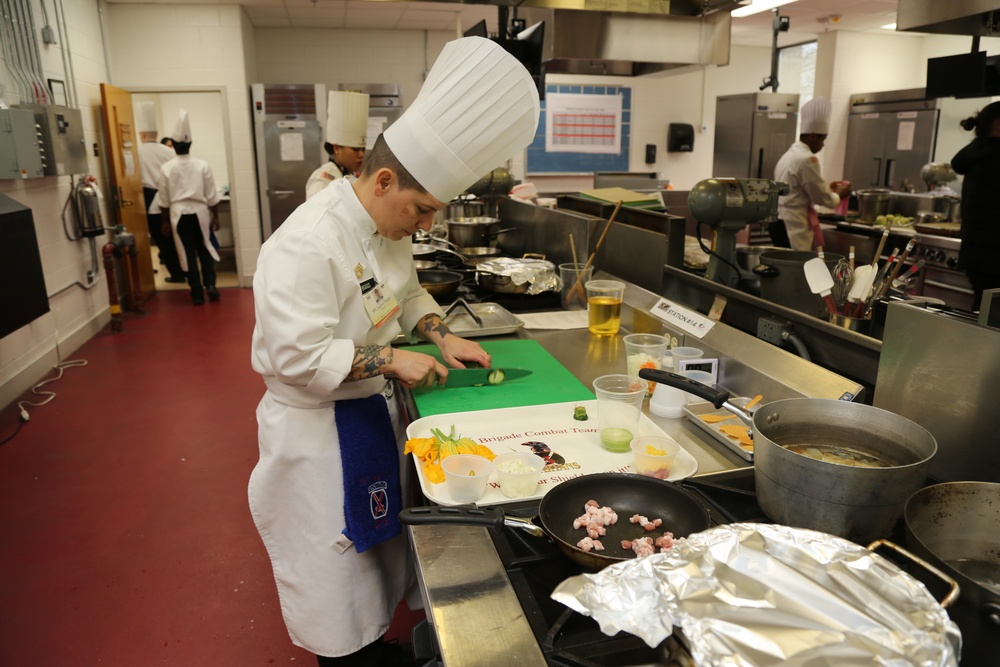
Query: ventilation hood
642, 37
968, 17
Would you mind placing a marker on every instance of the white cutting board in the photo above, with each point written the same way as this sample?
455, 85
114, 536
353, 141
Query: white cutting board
504, 430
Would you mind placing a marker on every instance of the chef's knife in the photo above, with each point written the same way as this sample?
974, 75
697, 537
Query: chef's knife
475, 377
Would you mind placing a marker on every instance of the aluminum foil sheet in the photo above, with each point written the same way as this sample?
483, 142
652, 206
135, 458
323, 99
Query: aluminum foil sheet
540, 274
749, 594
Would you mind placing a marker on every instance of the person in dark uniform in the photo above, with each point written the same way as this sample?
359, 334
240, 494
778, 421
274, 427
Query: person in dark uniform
979, 163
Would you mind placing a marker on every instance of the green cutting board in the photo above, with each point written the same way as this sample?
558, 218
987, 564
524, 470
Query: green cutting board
549, 382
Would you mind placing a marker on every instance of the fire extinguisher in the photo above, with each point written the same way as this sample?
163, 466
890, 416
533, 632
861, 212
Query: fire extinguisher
86, 206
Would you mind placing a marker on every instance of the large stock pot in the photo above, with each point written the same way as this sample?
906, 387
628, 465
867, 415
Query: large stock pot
858, 503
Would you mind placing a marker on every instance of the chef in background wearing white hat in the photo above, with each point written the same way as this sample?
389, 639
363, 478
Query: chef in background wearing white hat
152, 156
346, 130
333, 288
799, 168
190, 209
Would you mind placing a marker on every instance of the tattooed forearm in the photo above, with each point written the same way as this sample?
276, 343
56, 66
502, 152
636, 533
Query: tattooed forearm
431, 324
370, 361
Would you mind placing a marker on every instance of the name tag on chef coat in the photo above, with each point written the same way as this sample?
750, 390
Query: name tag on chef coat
380, 303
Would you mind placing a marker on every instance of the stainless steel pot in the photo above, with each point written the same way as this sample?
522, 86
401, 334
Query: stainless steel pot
782, 280
857, 503
956, 526
474, 232
530, 275
872, 203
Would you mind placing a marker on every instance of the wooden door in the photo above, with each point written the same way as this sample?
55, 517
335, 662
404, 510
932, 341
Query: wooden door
126, 197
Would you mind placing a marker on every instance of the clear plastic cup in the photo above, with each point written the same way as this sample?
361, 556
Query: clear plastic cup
669, 402
654, 455
703, 377
466, 476
644, 351
573, 277
604, 306
518, 473
675, 354
619, 404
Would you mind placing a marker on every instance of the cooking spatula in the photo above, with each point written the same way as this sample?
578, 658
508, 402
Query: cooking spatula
820, 282
864, 276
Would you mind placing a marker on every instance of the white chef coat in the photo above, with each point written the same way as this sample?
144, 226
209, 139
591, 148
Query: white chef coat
152, 156
310, 318
186, 184
322, 177
799, 167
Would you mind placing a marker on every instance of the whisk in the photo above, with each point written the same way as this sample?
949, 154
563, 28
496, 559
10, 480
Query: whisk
843, 278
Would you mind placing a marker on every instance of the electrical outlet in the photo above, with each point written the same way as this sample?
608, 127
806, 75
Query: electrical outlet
773, 331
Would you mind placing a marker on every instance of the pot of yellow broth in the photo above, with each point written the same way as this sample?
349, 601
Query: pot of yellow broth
837, 467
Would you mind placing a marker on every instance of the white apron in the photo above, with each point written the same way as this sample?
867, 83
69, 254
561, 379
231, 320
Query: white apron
310, 317
187, 185
204, 221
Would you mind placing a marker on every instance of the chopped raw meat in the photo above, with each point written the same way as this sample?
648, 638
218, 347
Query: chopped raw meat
642, 546
587, 544
666, 542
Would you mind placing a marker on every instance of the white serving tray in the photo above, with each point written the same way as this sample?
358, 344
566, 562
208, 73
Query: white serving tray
506, 429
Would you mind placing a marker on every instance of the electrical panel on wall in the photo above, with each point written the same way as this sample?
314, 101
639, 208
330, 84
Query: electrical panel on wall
20, 145
61, 129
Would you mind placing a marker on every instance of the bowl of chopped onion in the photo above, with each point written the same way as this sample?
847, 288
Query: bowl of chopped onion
518, 473
654, 455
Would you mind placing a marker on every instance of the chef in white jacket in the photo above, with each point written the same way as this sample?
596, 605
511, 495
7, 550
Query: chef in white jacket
333, 287
190, 207
346, 134
799, 168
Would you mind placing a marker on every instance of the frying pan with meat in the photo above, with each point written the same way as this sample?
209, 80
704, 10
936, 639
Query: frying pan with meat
682, 514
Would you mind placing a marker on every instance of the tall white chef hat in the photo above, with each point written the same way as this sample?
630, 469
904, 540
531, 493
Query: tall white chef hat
346, 118
182, 131
477, 109
145, 117
816, 116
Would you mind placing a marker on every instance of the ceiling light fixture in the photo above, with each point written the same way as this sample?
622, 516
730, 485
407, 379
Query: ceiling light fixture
759, 6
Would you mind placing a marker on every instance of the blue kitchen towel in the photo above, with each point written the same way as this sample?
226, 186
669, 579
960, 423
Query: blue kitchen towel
370, 458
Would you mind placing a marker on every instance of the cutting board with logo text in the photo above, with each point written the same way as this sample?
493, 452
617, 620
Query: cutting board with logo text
549, 382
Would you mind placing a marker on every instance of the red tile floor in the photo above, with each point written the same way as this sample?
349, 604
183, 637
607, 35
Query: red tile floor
125, 537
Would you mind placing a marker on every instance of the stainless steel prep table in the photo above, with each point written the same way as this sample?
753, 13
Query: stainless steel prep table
469, 601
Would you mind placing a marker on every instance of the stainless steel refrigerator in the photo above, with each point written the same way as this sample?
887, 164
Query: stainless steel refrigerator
752, 132
891, 135
288, 141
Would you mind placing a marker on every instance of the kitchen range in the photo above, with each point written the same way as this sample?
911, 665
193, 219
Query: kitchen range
487, 592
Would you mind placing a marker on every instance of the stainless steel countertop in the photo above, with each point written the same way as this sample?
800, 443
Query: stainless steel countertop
468, 598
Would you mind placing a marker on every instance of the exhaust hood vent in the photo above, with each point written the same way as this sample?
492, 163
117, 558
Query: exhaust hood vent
633, 44
627, 37
968, 17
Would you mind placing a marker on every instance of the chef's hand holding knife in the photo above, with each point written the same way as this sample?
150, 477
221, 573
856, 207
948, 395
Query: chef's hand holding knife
414, 369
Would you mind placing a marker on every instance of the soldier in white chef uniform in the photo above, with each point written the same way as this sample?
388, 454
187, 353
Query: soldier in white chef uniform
346, 133
190, 208
799, 167
333, 287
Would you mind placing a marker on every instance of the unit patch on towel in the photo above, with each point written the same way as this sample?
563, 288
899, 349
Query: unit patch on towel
379, 500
